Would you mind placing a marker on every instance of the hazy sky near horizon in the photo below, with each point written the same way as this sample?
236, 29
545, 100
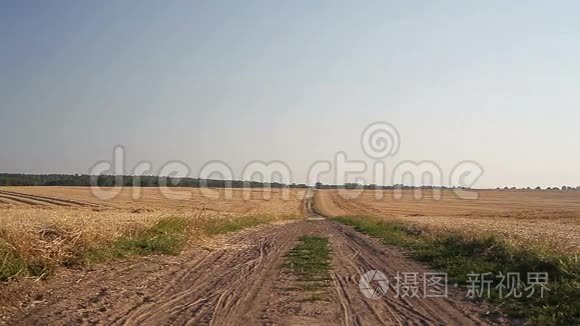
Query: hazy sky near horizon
491, 81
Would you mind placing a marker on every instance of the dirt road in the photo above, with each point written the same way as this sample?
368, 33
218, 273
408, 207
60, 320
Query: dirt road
240, 280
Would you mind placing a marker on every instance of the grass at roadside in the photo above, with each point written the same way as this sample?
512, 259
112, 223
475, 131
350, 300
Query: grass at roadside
167, 236
310, 262
10, 264
460, 255
39, 256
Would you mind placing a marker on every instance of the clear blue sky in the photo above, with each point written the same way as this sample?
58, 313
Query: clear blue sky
492, 81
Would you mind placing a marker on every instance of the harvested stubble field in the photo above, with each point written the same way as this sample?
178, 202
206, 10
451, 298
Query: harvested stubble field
122, 262
235, 279
542, 219
42, 228
231, 201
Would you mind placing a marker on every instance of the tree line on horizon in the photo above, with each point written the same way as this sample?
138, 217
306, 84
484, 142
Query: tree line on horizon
565, 188
84, 180
320, 185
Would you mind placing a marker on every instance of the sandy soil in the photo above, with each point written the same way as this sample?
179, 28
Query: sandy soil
239, 280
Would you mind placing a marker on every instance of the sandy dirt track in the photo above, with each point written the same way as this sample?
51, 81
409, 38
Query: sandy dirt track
239, 280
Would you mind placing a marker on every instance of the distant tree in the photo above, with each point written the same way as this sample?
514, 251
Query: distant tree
351, 185
506, 188
538, 188
318, 185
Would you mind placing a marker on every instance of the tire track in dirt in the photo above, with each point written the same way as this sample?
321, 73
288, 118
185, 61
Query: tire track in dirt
228, 285
356, 254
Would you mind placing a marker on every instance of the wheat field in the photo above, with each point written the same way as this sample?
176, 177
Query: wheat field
53, 225
231, 201
544, 219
